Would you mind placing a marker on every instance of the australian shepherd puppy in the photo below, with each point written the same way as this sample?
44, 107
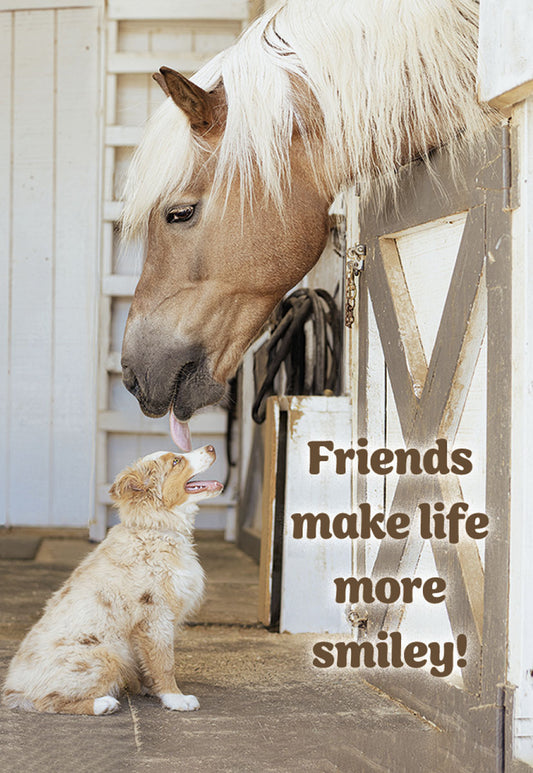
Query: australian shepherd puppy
111, 626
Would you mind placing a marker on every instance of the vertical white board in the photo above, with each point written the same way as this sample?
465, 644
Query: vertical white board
49, 189
32, 265
505, 64
310, 565
6, 32
77, 138
521, 547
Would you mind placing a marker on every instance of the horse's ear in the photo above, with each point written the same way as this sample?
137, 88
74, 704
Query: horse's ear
196, 103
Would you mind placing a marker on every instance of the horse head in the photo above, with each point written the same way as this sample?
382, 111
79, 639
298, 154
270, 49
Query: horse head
217, 262
231, 183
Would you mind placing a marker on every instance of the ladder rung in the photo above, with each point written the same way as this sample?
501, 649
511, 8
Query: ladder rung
119, 285
211, 422
123, 136
131, 63
185, 10
113, 363
112, 210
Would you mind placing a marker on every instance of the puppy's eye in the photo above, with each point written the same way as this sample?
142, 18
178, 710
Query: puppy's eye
180, 214
176, 461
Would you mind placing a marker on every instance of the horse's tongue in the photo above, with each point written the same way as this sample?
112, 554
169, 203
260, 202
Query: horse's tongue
181, 434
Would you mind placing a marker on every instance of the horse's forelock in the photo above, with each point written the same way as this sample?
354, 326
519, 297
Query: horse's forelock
164, 160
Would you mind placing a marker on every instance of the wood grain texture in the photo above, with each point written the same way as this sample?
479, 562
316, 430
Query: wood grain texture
32, 257
6, 54
310, 565
267, 523
77, 154
184, 10
52, 158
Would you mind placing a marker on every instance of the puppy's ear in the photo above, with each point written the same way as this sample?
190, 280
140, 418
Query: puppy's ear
133, 480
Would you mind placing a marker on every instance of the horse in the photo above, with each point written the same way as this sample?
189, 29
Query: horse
230, 186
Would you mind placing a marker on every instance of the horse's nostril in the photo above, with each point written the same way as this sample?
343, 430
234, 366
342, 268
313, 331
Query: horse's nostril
129, 380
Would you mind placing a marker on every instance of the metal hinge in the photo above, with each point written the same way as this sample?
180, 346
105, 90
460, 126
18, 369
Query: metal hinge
355, 263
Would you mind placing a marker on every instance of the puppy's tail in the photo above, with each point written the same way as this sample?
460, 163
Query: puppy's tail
14, 699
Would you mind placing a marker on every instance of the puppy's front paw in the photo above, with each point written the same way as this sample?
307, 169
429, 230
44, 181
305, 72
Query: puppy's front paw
179, 702
106, 705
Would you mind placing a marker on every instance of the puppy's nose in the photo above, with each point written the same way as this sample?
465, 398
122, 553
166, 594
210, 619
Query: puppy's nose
210, 449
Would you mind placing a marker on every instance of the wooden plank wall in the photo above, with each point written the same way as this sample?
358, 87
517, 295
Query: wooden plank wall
49, 202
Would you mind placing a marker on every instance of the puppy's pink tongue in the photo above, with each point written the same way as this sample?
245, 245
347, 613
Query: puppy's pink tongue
181, 434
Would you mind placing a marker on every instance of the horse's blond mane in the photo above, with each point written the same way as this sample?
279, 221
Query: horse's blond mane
388, 79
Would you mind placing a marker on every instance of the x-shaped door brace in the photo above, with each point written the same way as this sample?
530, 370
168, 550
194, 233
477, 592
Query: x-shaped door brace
430, 400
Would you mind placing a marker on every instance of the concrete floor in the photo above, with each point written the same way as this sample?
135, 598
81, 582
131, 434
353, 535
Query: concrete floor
263, 705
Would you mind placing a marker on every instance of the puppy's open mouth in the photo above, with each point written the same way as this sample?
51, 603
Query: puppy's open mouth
196, 486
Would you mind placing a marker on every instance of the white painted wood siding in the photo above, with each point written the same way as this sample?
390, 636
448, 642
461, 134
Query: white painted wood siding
310, 565
505, 64
49, 194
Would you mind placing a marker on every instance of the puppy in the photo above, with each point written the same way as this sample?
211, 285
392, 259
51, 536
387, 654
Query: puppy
112, 624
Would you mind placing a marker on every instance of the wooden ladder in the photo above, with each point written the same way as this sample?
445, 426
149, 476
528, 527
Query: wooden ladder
140, 38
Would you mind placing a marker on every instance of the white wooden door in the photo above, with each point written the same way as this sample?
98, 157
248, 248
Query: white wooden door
49, 205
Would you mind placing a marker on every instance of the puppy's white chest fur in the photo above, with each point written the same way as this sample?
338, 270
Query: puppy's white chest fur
171, 573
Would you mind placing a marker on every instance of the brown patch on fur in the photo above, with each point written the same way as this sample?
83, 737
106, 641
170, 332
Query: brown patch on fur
51, 696
146, 598
65, 590
54, 703
90, 639
82, 665
103, 599
129, 484
173, 492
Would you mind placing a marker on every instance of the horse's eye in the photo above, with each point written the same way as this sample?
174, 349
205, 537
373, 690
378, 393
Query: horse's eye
180, 214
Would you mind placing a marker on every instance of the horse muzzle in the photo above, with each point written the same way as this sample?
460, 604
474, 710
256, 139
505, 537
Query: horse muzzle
179, 378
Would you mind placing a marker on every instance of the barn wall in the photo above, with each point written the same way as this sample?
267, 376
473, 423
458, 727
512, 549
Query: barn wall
49, 202
505, 62
62, 303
